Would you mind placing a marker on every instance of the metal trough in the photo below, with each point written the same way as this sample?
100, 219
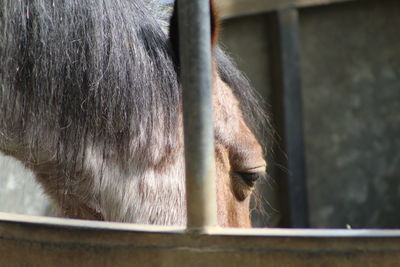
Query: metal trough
43, 241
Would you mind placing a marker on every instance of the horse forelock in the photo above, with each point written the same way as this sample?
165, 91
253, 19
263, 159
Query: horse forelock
90, 86
91, 69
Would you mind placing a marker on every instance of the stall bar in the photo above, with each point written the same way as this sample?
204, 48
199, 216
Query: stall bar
195, 60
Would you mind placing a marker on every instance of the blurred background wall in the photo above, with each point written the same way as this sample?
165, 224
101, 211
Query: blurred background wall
19, 192
350, 80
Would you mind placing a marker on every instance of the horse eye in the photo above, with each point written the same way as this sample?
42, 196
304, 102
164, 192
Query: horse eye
250, 178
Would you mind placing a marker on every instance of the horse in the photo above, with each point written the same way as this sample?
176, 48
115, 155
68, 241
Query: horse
91, 102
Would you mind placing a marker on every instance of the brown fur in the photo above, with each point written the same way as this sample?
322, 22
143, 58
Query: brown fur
237, 150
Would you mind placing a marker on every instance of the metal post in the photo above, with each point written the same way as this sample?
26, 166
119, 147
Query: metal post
195, 60
286, 84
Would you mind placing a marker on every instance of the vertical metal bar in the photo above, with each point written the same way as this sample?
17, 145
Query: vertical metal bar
195, 59
286, 82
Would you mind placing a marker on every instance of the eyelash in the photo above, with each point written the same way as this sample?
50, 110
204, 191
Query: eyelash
250, 178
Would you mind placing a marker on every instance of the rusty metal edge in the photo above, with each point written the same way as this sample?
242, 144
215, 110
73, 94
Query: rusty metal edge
265, 232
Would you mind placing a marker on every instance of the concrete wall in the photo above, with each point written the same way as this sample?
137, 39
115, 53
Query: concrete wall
350, 64
351, 70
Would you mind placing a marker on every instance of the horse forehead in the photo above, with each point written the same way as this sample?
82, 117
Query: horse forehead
229, 121
232, 130
223, 93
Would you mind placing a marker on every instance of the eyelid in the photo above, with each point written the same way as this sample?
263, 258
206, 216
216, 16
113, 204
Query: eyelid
250, 178
257, 169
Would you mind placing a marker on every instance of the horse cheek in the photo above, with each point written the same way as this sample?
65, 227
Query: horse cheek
231, 211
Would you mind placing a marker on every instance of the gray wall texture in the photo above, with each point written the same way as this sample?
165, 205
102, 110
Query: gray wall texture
350, 60
351, 92
19, 192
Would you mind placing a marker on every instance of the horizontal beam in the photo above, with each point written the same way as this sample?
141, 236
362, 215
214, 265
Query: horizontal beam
62, 242
16, 225
236, 8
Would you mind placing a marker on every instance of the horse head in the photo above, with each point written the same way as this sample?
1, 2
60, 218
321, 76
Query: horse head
91, 103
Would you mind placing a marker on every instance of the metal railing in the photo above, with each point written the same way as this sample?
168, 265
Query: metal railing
195, 60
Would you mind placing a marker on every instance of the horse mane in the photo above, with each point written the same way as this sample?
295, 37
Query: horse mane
90, 70
98, 72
